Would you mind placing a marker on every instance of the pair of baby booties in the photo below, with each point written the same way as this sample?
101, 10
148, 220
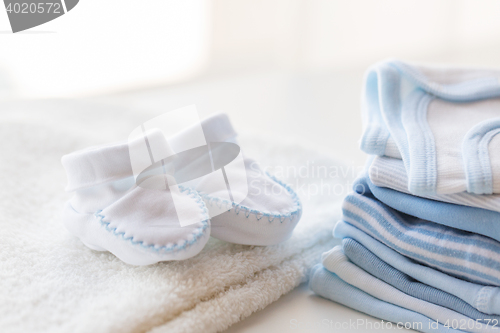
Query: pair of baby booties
110, 212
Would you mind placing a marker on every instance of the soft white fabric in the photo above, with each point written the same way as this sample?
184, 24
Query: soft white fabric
450, 124
141, 224
267, 215
142, 228
110, 162
336, 262
442, 122
51, 282
391, 173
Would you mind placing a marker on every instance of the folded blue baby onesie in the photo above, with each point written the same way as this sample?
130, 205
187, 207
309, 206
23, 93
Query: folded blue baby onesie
330, 286
369, 262
462, 254
485, 299
391, 173
336, 262
443, 124
480, 221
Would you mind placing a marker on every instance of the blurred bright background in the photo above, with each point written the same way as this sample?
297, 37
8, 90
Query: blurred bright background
289, 68
282, 69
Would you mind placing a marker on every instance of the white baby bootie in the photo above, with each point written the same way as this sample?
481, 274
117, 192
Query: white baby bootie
158, 199
138, 225
245, 204
266, 216
254, 208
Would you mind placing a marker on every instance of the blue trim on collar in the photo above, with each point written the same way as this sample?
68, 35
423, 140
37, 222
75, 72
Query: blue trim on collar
476, 157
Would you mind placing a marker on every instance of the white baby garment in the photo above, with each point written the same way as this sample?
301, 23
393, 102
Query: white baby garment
139, 221
391, 173
110, 212
443, 123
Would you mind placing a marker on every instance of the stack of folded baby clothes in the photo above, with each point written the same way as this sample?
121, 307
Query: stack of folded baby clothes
421, 231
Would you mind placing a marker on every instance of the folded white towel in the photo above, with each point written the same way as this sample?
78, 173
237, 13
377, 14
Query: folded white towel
51, 282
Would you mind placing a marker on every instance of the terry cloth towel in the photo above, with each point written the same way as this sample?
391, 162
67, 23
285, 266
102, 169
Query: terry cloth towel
336, 262
330, 286
51, 282
442, 122
363, 258
391, 173
462, 254
484, 298
476, 220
